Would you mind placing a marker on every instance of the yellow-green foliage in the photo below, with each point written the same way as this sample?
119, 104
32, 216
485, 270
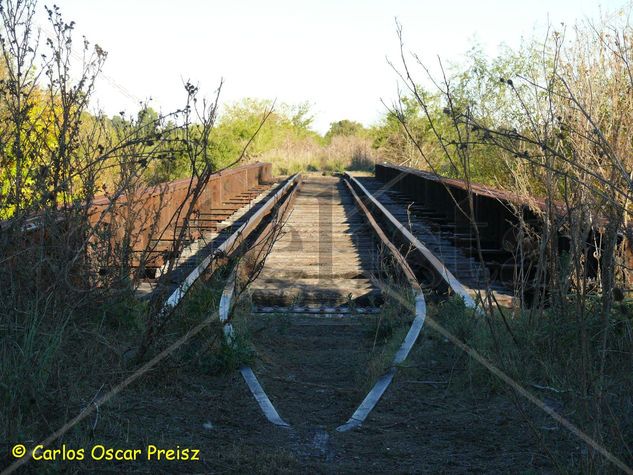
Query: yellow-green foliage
287, 140
24, 154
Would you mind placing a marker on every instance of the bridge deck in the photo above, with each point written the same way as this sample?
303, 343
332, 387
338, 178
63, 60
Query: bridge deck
324, 258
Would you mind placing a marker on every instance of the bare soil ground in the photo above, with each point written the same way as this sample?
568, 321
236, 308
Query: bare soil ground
429, 421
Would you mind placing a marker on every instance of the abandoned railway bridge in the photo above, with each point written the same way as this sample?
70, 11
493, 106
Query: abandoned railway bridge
330, 250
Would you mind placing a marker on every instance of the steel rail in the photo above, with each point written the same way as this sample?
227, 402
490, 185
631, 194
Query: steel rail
437, 265
226, 303
227, 247
373, 396
256, 389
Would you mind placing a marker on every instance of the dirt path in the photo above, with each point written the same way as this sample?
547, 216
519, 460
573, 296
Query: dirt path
311, 367
427, 422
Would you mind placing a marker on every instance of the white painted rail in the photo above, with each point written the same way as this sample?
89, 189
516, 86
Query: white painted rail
226, 303
227, 247
379, 388
450, 279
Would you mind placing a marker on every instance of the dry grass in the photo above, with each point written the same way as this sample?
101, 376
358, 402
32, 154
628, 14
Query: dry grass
342, 153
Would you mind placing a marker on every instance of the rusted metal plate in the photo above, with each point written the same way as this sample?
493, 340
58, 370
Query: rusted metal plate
475, 188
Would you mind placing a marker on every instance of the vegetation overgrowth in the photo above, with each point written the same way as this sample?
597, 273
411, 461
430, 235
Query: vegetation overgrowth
551, 119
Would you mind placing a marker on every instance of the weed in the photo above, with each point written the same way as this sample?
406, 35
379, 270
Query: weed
125, 312
232, 355
543, 355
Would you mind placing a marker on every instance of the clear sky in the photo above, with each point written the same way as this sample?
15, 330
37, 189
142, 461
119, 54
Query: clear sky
330, 53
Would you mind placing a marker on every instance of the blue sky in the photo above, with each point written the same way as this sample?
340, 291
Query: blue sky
330, 53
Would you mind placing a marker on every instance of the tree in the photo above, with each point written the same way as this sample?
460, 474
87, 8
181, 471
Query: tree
345, 128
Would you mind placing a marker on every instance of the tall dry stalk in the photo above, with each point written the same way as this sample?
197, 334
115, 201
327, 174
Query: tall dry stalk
560, 129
